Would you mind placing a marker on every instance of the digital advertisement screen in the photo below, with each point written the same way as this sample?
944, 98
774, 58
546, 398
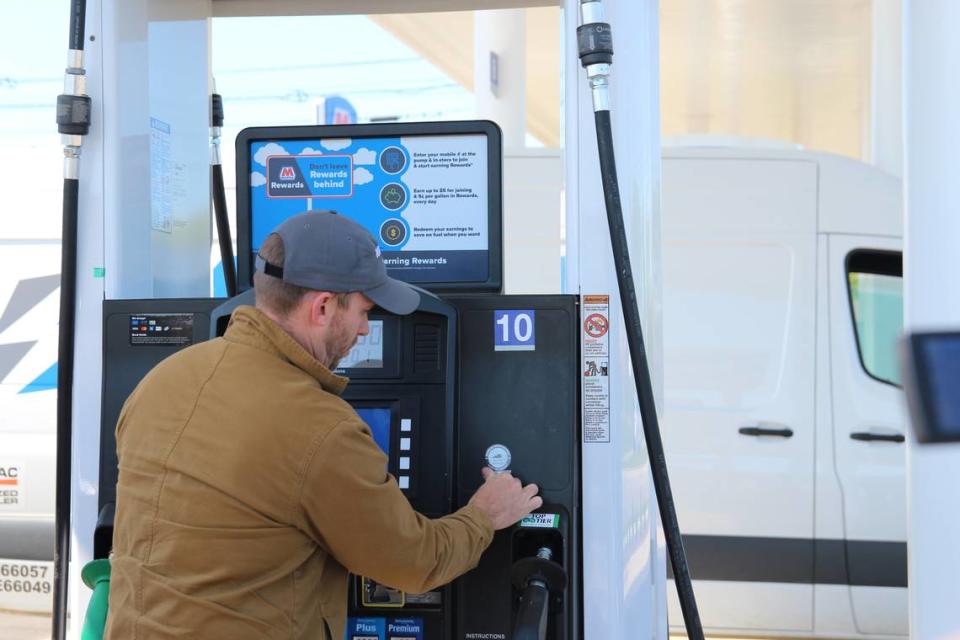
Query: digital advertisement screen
379, 422
368, 352
423, 198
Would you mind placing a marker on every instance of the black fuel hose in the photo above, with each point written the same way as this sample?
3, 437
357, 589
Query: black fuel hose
223, 230
595, 49
68, 299
73, 123
220, 197
641, 375
78, 15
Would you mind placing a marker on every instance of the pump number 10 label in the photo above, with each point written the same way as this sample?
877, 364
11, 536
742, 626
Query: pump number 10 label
514, 330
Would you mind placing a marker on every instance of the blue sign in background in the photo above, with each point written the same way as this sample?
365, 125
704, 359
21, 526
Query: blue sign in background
338, 110
376, 198
514, 330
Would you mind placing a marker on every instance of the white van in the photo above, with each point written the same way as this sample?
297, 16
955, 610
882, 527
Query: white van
783, 423
29, 309
29, 312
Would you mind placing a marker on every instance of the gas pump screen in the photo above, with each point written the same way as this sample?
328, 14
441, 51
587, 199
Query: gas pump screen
931, 382
379, 422
428, 193
367, 353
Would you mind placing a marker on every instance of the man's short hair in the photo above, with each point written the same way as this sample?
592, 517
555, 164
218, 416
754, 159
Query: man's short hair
275, 294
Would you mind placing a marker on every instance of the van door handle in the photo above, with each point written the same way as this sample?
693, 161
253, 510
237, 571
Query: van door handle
877, 437
763, 431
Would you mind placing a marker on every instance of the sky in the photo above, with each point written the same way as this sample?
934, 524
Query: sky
33, 53
273, 70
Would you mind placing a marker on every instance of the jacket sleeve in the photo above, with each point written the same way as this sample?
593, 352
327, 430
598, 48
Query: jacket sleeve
354, 508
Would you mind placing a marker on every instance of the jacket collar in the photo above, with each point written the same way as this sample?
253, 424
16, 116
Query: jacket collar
250, 326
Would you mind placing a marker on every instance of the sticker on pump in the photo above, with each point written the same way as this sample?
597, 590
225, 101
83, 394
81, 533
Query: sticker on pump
595, 371
365, 629
514, 330
405, 629
541, 521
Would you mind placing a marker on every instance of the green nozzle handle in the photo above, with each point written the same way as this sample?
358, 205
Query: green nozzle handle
96, 575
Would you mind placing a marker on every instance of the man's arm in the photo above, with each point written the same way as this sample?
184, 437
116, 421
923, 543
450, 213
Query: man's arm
354, 509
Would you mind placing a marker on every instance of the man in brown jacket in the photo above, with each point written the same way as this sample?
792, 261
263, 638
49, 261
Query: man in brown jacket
248, 489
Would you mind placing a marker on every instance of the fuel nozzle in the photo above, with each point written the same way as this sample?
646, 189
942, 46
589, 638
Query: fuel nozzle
536, 579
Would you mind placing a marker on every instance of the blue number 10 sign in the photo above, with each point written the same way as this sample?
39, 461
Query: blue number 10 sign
513, 330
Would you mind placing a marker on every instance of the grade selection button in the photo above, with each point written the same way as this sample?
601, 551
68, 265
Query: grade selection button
366, 628
405, 629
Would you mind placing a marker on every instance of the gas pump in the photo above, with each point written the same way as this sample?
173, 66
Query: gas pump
470, 378
510, 380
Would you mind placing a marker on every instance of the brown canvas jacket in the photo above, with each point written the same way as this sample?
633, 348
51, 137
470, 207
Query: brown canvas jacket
248, 489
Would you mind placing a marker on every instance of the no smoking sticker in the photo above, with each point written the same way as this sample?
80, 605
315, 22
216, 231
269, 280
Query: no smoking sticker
595, 325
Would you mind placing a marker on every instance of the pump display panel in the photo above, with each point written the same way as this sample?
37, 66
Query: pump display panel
931, 368
391, 424
428, 193
368, 352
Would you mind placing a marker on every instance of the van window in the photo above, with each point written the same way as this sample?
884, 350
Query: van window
875, 285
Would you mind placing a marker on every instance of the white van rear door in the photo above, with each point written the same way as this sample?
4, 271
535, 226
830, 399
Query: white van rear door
866, 318
739, 262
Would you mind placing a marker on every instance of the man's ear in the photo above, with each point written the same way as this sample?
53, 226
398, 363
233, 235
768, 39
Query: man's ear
320, 307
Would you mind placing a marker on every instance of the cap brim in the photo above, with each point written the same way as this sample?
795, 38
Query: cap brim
395, 296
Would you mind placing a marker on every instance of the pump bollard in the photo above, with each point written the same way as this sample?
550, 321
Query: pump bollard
96, 575
536, 578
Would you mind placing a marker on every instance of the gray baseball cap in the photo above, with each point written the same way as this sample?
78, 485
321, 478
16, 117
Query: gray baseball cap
327, 252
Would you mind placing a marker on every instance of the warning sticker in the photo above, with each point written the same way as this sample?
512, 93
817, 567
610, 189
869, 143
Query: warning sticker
595, 372
11, 486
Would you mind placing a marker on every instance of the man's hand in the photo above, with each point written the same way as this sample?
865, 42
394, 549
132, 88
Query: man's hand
504, 498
